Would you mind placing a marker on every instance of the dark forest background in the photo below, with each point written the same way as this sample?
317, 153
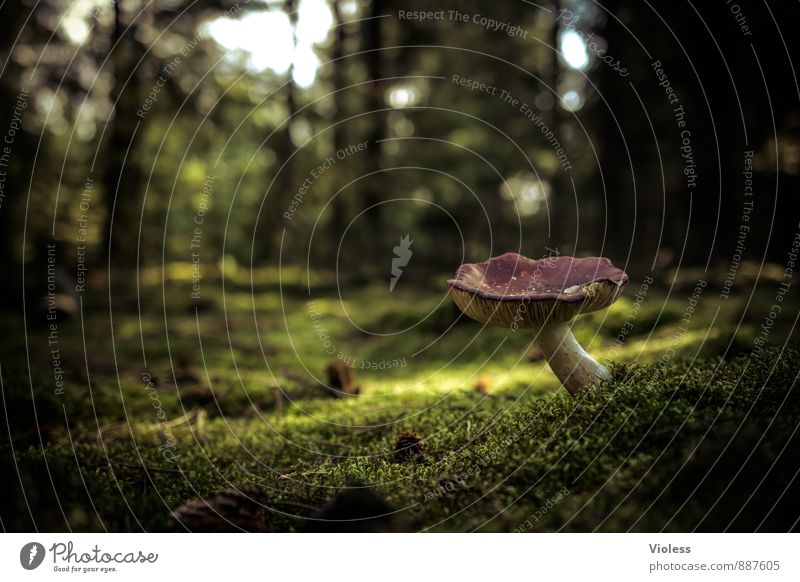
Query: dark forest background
387, 82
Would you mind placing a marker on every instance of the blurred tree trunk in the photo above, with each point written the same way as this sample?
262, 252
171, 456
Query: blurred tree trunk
371, 43
19, 164
16, 175
122, 177
616, 205
270, 223
338, 206
625, 131
562, 231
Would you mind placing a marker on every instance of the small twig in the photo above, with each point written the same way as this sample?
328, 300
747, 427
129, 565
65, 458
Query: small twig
145, 467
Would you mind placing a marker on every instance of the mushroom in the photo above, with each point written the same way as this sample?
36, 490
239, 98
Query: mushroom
545, 295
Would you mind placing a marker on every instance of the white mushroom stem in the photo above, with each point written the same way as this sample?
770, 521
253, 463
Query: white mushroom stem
569, 361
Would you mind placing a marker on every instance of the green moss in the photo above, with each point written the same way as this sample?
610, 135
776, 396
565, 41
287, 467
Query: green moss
527, 453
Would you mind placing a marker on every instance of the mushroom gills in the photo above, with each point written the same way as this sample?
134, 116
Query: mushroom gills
569, 361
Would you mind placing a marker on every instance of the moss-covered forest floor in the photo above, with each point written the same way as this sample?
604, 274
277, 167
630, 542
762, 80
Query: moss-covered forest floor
183, 399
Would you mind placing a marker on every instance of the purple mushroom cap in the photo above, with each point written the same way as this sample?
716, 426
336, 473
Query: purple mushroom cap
514, 290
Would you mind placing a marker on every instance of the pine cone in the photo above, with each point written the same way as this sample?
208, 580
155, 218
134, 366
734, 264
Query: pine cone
341, 379
406, 446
